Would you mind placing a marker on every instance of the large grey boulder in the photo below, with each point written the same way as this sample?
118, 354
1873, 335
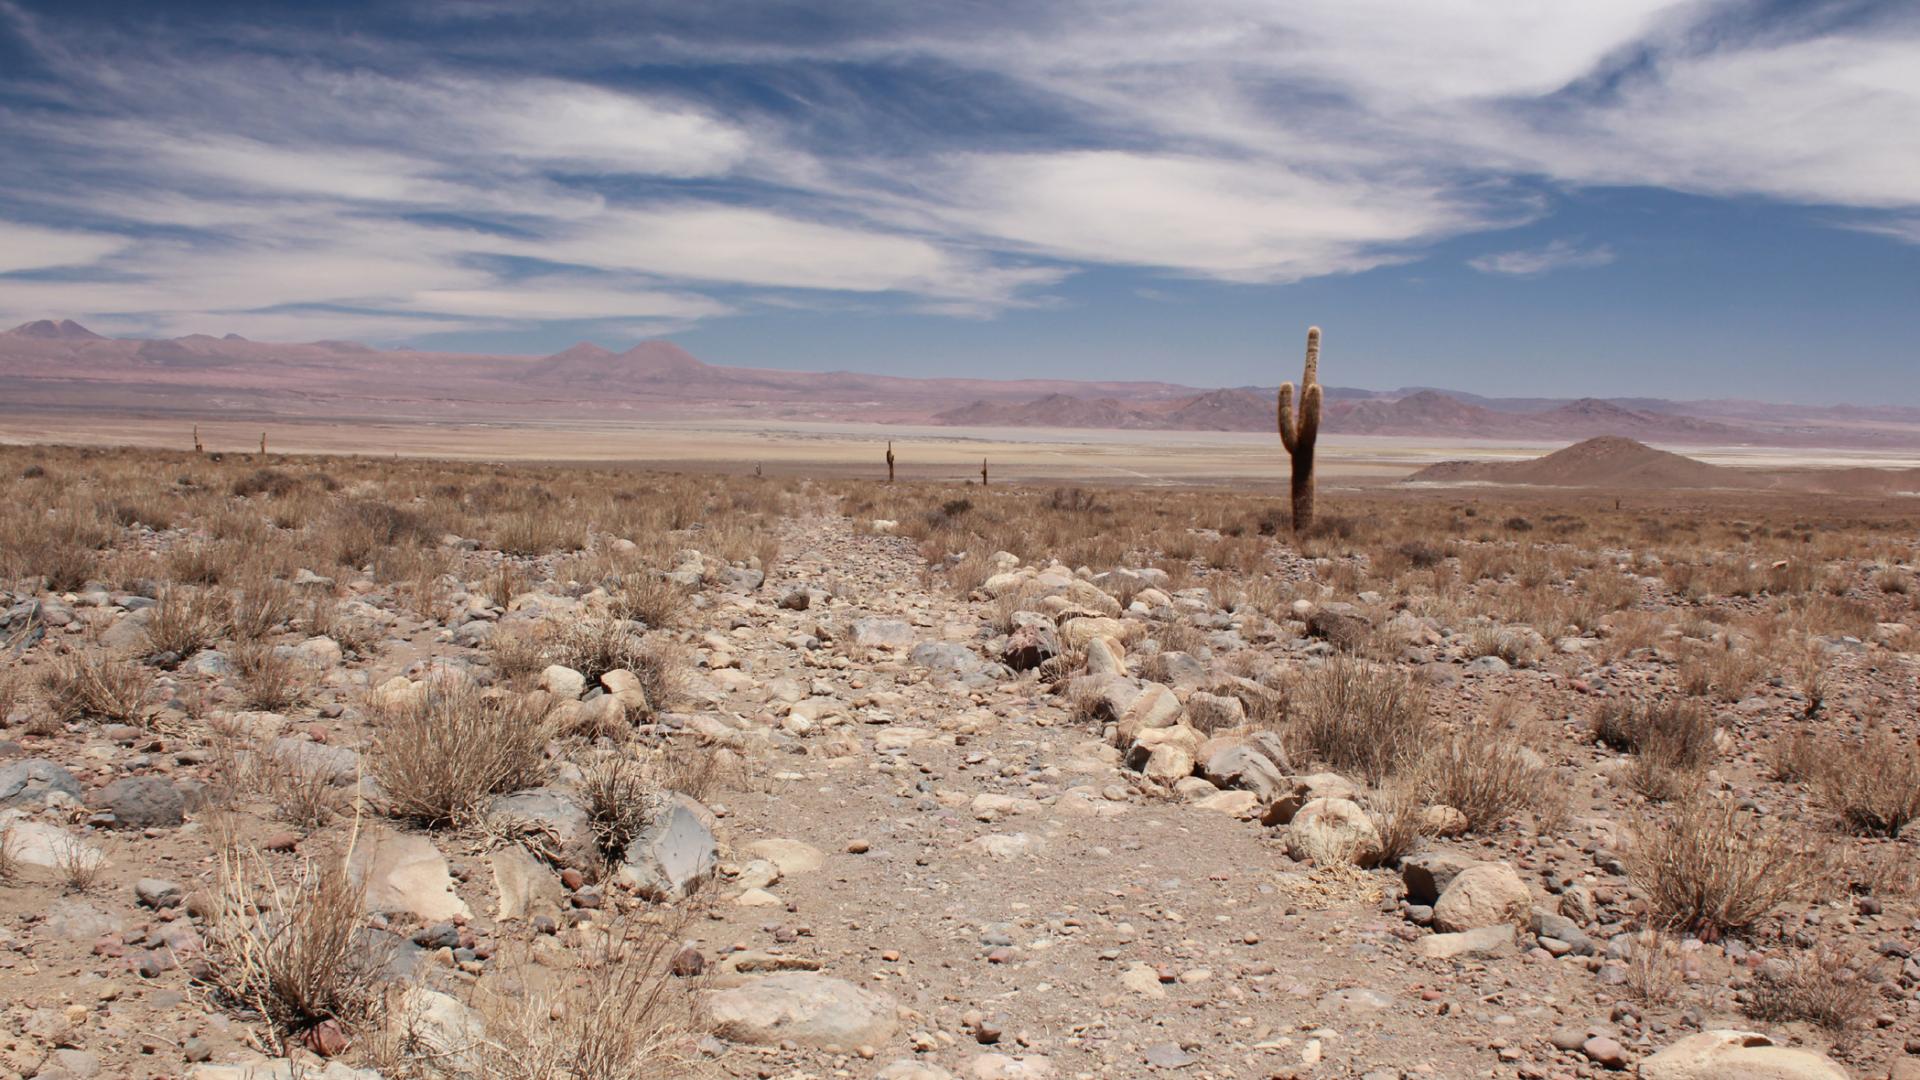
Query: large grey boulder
142, 802
37, 782
805, 1008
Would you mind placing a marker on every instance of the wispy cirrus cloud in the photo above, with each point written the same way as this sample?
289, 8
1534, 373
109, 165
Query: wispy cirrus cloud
462, 165
1555, 255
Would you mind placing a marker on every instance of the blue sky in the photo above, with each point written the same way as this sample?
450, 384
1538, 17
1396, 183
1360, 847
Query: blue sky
1621, 198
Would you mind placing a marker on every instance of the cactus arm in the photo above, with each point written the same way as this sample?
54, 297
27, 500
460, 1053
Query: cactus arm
1287, 438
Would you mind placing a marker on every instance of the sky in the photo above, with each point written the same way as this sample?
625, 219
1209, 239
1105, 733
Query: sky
1623, 198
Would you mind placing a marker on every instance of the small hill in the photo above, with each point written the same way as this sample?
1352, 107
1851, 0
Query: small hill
48, 330
1608, 461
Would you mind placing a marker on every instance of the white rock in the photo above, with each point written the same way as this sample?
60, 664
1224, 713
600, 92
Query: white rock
1737, 1055
404, 872
802, 1007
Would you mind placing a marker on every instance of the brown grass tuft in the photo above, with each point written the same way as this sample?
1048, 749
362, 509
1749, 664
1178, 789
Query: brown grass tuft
1360, 716
294, 954
437, 757
1709, 869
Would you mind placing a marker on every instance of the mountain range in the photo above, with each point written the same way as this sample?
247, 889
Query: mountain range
61, 365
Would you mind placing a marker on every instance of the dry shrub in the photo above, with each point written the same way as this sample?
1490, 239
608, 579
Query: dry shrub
619, 796
197, 563
611, 1011
647, 598
9, 856
268, 679
294, 954
1656, 969
260, 605
1515, 647
1485, 775
1828, 986
1709, 869
63, 547
357, 636
184, 621
516, 656
94, 684
1360, 716
1874, 785
437, 756
13, 692
594, 647
1676, 734
78, 865
1654, 778
1725, 671
1398, 815
1793, 758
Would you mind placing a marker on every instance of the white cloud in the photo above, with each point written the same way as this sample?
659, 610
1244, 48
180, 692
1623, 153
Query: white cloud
1238, 221
31, 247
1557, 255
1234, 140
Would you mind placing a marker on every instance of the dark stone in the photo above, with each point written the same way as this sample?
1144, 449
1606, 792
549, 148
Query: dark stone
143, 802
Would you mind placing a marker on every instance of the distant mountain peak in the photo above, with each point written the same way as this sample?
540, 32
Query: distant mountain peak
48, 330
585, 350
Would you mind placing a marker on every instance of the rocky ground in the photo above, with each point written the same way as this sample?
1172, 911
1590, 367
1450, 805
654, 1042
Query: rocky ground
922, 849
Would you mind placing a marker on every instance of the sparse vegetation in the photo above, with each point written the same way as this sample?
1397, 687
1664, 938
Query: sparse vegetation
1710, 869
1354, 714
439, 753
293, 952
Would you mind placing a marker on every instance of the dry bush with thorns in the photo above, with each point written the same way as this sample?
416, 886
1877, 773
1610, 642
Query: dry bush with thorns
647, 598
268, 679
1829, 986
1359, 716
1873, 785
1677, 734
438, 755
1486, 775
610, 1011
91, 684
1710, 869
293, 953
184, 621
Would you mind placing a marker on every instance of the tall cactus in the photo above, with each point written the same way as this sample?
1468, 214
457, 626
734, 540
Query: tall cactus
1298, 434
263, 443
889, 461
197, 447
983, 472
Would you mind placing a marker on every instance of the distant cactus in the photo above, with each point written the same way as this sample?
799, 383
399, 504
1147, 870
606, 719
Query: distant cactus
1298, 434
263, 443
889, 461
983, 472
197, 447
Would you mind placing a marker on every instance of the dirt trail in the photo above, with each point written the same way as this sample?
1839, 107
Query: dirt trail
1101, 925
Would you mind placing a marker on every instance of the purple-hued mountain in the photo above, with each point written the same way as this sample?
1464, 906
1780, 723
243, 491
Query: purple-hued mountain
59, 364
